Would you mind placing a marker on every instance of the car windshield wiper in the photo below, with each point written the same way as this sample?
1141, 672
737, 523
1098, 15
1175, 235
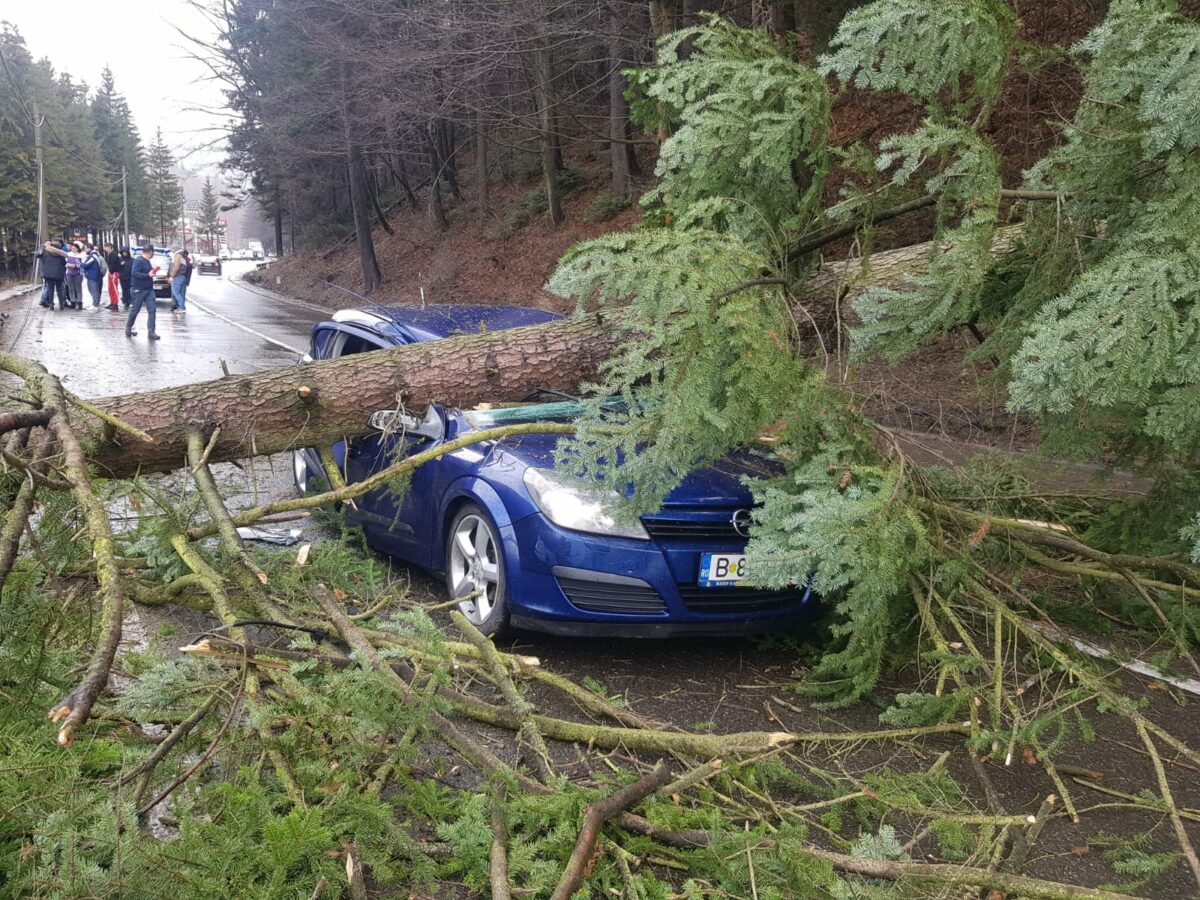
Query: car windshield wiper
538, 392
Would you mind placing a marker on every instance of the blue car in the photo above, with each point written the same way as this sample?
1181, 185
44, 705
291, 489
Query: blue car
519, 542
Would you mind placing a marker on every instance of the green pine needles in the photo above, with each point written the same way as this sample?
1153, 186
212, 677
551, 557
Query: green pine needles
952, 49
1093, 316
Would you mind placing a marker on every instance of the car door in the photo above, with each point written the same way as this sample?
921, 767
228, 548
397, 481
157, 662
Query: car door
396, 518
402, 519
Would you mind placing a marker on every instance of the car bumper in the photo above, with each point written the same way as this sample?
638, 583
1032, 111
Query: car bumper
208, 270
564, 582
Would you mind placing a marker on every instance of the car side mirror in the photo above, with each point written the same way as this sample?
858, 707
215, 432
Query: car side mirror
393, 421
397, 422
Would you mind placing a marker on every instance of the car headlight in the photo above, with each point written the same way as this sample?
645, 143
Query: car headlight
569, 507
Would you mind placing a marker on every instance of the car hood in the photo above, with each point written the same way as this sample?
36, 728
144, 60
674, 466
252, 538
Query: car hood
718, 485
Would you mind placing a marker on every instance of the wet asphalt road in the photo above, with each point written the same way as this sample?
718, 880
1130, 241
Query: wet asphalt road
226, 320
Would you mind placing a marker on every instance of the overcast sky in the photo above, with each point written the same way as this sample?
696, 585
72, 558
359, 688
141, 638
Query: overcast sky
149, 60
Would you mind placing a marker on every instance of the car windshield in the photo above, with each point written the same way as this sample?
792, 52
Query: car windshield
562, 411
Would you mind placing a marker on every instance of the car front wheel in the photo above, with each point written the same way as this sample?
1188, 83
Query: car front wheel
475, 570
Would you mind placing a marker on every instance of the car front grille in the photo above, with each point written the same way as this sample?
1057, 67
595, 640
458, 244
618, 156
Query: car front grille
689, 529
599, 596
717, 600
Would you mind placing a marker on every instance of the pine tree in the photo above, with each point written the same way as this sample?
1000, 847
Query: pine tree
166, 196
120, 147
210, 213
18, 178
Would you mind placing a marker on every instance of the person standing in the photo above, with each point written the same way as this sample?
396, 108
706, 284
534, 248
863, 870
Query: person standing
93, 272
74, 277
125, 272
141, 281
112, 259
178, 278
187, 272
53, 264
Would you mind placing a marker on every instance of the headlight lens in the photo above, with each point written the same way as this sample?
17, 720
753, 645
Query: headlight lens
568, 507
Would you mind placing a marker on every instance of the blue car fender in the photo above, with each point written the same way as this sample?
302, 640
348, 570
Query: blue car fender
477, 491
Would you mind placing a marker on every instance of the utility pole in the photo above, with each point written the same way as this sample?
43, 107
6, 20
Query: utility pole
125, 206
43, 227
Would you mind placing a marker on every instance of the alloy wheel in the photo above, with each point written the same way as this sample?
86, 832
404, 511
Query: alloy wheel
474, 566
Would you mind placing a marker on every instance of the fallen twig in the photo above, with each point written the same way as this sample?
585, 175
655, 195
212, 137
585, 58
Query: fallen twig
234, 708
599, 813
528, 732
1164, 788
467, 747
498, 871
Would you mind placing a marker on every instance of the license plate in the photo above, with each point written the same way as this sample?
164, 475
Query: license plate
722, 569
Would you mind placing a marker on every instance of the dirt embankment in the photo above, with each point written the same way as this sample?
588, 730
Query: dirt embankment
495, 256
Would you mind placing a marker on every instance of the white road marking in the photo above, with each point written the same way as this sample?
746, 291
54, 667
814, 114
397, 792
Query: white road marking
246, 328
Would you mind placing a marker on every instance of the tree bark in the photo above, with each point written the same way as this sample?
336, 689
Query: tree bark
481, 161
545, 94
618, 109
437, 212
845, 279
318, 403
278, 215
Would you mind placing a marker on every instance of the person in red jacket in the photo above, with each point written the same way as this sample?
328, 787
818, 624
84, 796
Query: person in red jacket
112, 259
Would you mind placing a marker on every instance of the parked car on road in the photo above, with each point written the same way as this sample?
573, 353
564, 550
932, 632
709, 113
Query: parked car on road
208, 265
523, 544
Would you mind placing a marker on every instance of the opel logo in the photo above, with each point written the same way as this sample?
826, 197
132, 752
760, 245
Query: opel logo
741, 522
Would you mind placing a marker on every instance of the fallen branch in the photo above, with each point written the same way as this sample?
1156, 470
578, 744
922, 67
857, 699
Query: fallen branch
246, 573
682, 742
969, 876
1019, 885
18, 513
178, 733
1164, 788
367, 655
73, 710
382, 477
24, 418
498, 870
234, 708
597, 814
528, 732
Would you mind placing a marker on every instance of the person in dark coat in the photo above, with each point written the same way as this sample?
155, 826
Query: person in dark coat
142, 281
126, 272
53, 265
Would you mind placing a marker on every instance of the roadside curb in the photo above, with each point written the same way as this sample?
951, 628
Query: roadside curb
18, 291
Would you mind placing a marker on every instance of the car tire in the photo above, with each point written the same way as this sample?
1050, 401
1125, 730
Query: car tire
473, 554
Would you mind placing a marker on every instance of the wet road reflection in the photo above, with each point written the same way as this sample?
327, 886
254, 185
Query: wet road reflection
88, 349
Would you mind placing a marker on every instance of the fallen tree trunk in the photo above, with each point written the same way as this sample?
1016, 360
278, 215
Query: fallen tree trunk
317, 403
836, 283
